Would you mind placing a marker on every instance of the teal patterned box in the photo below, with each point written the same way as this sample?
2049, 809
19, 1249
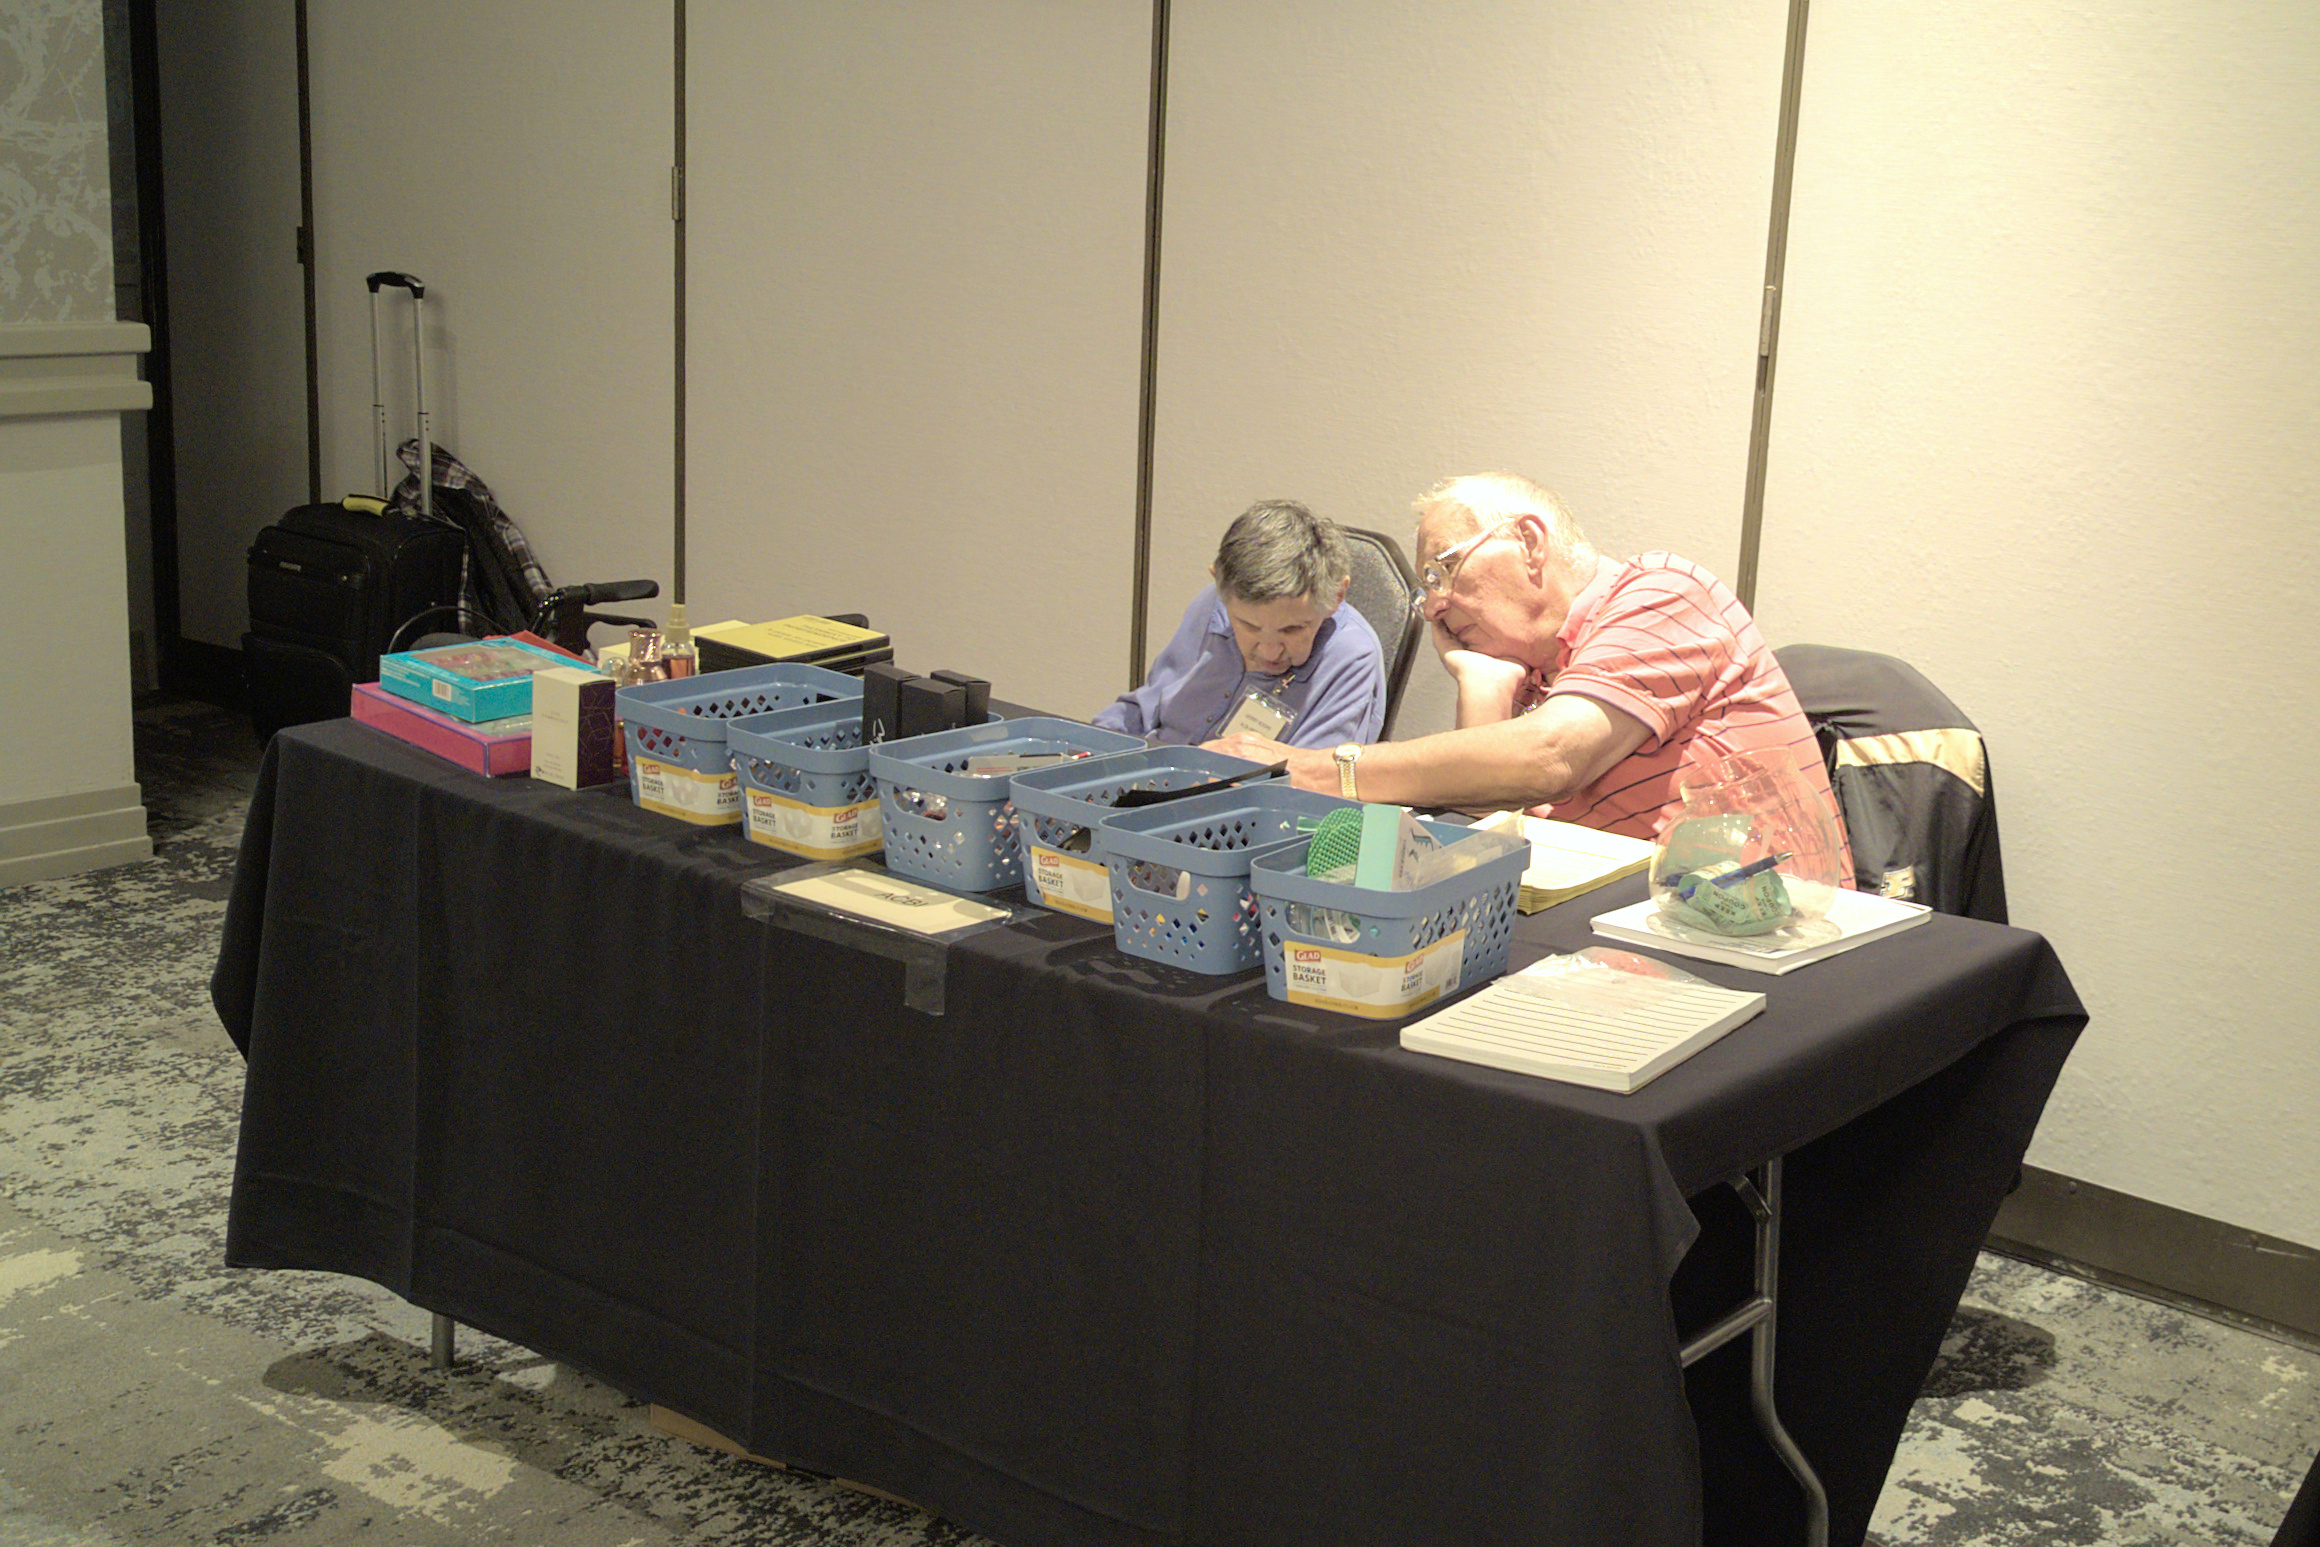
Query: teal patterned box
487, 680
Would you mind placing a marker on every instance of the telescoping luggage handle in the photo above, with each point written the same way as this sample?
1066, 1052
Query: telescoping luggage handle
418, 288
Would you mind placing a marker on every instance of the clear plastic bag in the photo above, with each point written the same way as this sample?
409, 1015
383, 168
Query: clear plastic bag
1753, 852
1600, 979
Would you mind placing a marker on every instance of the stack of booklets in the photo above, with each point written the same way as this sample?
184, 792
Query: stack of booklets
1567, 859
1855, 917
1599, 1025
833, 643
469, 703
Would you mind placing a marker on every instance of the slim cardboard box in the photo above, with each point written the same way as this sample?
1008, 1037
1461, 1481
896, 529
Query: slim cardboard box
924, 706
882, 703
572, 727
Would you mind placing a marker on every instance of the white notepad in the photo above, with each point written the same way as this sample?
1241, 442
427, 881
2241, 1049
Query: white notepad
1600, 1027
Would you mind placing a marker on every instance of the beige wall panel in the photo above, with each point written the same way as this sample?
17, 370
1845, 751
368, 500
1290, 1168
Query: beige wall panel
2049, 427
1406, 239
229, 127
516, 158
916, 279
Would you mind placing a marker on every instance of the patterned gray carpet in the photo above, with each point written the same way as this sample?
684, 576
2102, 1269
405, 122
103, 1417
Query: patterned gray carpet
149, 1394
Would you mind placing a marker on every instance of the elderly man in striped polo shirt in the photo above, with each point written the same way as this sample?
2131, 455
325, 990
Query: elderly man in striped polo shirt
1585, 684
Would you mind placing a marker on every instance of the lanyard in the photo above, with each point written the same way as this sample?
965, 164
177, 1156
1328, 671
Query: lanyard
1269, 701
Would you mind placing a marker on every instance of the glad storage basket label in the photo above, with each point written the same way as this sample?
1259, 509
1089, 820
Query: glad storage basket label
1380, 987
814, 832
712, 800
1069, 883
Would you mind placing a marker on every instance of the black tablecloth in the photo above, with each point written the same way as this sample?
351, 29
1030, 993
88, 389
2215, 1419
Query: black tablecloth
2301, 1528
1106, 1252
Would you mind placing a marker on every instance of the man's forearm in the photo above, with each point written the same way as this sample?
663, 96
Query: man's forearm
1537, 759
1486, 685
1484, 766
1485, 702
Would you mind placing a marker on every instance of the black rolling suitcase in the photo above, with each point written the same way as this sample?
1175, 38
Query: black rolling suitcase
332, 585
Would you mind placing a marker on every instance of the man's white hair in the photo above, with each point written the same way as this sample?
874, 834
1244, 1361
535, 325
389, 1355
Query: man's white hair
1482, 500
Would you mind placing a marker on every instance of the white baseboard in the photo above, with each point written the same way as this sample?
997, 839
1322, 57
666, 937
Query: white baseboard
63, 835
73, 368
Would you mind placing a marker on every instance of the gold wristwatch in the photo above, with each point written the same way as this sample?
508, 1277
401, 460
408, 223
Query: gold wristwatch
1347, 755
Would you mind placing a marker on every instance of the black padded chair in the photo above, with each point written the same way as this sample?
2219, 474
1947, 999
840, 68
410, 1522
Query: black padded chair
1911, 775
1384, 591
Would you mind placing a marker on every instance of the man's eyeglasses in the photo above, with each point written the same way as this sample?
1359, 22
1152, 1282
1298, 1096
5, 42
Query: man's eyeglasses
1440, 572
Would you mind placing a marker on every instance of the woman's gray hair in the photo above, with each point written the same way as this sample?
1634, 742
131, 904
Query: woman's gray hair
1278, 548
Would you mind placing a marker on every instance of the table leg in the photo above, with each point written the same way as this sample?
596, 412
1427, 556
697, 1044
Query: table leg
446, 1330
1757, 1316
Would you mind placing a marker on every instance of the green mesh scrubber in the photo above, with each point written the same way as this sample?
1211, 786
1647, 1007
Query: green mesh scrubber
1336, 842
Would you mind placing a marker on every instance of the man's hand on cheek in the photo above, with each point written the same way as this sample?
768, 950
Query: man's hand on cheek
1473, 669
1487, 685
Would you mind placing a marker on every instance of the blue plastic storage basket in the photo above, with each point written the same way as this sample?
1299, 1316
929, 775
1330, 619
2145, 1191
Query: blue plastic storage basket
1180, 872
805, 780
678, 760
1377, 953
1058, 811
955, 828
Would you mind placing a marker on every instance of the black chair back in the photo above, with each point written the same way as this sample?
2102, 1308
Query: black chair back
1911, 776
1383, 591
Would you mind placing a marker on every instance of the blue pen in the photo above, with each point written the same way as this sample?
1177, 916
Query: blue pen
1685, 883
1754, 867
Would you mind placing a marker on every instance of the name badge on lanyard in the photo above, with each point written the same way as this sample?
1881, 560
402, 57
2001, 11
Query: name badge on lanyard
1260, 714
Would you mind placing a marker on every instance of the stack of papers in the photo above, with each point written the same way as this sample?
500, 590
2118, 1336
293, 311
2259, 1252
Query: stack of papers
1567, 859
1595, 1026
807, 639
1859, 917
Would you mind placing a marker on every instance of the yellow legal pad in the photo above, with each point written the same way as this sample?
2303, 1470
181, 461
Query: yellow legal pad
785, 638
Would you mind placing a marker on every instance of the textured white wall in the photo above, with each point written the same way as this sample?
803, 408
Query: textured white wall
2047, 415
2048, 425
1407, 240
917, 242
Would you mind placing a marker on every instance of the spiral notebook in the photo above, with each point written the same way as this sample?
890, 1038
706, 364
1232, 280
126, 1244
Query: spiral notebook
1612, 1030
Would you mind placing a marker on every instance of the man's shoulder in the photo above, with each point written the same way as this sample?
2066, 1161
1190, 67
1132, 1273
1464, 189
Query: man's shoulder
1669, 570
1665, 606
1669, 585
